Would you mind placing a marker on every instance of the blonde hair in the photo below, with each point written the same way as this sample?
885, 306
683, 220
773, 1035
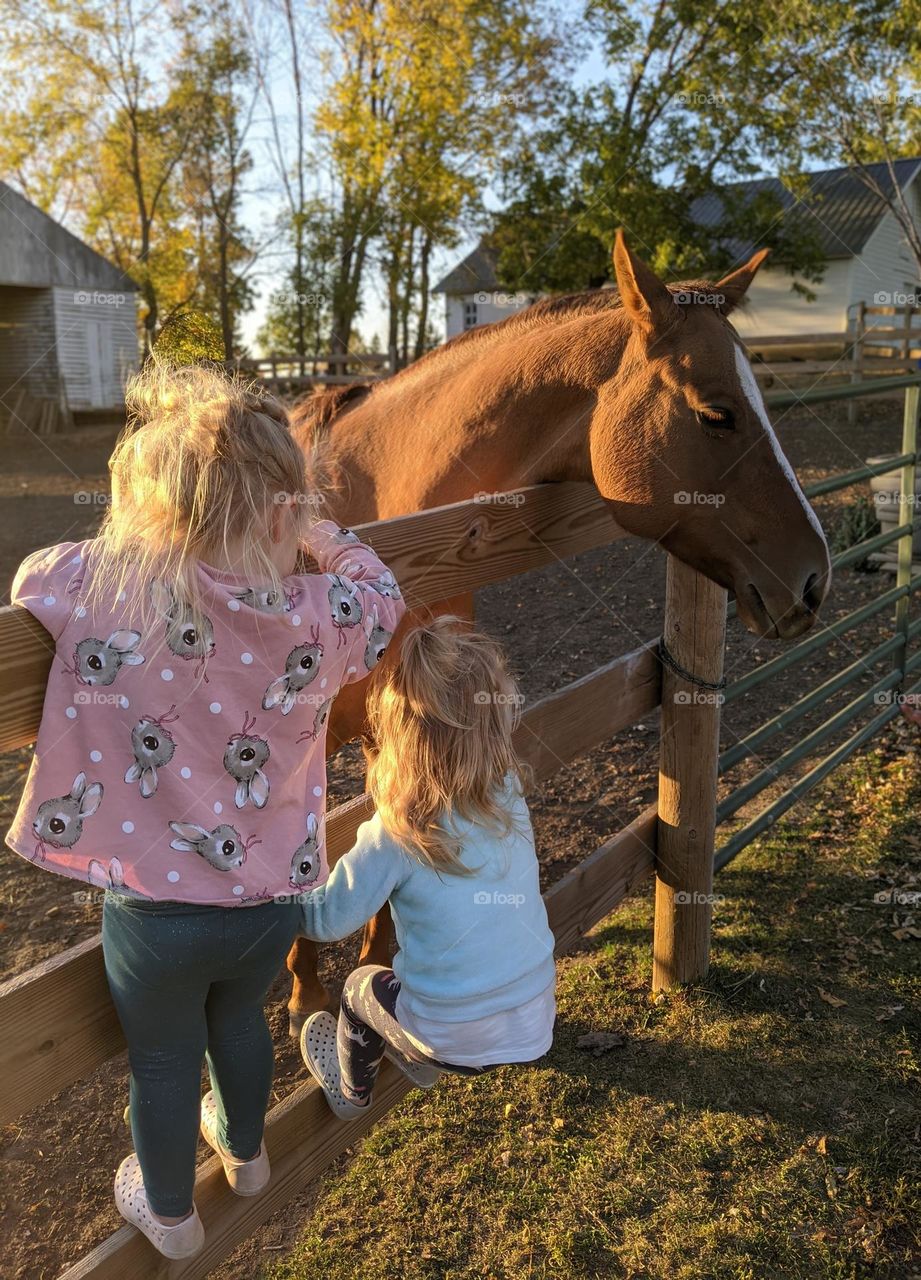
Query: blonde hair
199, 466
441, 726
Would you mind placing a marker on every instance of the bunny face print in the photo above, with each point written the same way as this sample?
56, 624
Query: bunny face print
266, 600
386, 585
302, 666
59, 822
344, 605
154, 747
98, 662
222, 848
305, 865
183, 637
244, 758
378, 640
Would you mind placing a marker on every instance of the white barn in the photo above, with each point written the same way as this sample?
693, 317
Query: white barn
68, 322
867, 260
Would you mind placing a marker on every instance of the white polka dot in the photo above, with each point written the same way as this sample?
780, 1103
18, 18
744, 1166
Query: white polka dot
77, 560
49, 600
324, 682
318, 791
166, 674
246, 658
71, 713
185, 771
233, 604
95, 756
238, 889
172, 876
351, 671
295, 619
218, 807
80, 612
122, 596
123, 701
127, 827
215, 708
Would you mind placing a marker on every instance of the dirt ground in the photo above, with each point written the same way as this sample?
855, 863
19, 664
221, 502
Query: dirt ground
592, 608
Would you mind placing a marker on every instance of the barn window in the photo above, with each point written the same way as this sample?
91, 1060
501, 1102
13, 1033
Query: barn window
470, 315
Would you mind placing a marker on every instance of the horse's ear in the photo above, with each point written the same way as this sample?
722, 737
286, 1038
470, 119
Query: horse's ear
646, 299
735, 286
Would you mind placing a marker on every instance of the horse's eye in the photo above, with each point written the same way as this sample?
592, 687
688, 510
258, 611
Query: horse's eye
714, 415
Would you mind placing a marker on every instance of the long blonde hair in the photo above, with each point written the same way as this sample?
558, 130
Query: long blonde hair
199, 466
440, 730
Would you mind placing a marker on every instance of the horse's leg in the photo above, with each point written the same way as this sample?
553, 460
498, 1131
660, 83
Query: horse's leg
308, 995
377, 938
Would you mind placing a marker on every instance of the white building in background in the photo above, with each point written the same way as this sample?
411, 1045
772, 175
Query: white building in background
68, 322
867, 259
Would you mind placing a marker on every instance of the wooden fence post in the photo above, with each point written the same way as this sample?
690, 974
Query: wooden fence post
694, 635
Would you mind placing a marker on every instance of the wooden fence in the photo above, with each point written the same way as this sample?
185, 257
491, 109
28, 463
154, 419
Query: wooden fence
58, 1021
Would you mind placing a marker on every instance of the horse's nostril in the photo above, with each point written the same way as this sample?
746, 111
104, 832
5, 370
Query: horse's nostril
812, 592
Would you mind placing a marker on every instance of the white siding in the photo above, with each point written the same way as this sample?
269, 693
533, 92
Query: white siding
489, 308
773, 308
97, 345
28, 353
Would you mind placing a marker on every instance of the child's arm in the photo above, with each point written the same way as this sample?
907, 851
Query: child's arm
341, 553
358, 886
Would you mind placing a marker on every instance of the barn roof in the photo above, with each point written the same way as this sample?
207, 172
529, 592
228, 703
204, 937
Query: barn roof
37, 252
840, 207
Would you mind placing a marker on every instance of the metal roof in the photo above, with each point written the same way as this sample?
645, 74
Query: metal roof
477, 271
36, 252
838, 206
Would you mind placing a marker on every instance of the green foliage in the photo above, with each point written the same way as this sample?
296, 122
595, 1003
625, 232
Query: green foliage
858, 521
189, 337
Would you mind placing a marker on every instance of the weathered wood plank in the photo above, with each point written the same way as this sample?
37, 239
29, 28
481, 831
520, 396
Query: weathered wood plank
303, 1138
435, 555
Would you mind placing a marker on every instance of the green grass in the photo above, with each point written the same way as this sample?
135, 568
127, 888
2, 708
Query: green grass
747, 1128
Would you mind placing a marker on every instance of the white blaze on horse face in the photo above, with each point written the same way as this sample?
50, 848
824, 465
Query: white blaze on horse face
756, 400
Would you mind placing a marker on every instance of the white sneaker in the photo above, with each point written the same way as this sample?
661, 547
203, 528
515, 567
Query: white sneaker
245, 1177
420, 1073
182, 1241
318, 1049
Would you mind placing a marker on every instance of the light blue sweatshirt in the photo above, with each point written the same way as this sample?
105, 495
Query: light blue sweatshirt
470, 945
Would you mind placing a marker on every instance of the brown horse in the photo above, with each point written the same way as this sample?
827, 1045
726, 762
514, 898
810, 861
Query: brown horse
646, 391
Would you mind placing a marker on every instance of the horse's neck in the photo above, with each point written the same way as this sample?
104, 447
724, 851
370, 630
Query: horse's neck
510, 410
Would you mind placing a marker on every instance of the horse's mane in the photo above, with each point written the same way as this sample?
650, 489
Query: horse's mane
315, 412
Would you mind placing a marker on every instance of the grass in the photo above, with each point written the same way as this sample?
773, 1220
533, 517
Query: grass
762, 1125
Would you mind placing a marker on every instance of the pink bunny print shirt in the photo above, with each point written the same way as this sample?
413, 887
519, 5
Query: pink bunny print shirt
189, 765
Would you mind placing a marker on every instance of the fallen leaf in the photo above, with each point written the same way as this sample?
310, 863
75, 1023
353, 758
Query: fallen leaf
830, 999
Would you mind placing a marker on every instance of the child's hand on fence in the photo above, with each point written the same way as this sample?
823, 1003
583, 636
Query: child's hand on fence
911, 708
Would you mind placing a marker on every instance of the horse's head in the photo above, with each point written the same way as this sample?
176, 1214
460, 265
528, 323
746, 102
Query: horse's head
683, 450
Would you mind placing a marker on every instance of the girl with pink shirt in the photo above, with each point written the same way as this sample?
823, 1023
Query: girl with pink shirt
180, 762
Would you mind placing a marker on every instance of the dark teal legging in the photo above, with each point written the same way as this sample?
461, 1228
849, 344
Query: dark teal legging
189, 982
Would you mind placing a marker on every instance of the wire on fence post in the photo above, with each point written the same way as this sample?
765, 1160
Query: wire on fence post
692, 668
907, 500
